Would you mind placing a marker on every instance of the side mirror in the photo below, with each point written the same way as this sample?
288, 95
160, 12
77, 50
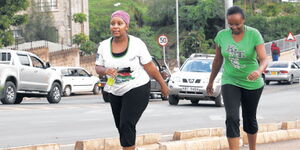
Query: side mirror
48, 65
176, 69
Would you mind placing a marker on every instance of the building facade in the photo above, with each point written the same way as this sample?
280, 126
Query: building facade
62, 12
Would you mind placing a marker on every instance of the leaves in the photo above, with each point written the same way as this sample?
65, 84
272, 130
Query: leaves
8, 9
79, 17
80, 38
89, 47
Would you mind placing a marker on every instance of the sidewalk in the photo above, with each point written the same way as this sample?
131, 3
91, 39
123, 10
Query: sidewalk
285, 145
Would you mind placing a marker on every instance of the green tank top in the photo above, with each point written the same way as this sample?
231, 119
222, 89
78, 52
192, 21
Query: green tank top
240, 58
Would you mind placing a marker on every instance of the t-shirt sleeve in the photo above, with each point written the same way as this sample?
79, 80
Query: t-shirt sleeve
143, 53
99, 56
258, 39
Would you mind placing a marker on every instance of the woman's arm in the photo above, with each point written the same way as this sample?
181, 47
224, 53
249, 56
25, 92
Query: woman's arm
263, 63
154, 73
217, 63
102, 71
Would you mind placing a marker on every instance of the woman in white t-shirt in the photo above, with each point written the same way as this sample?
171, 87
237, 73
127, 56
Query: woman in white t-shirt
126, 61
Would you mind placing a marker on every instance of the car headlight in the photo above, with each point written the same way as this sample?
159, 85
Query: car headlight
175, 79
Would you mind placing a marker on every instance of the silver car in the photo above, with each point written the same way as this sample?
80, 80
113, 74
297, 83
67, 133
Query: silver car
282, 71
190, 81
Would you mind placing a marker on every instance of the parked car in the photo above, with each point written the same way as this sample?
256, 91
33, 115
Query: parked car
23, 74
298, 62
282, 71
77, 79
190, 81
155, 87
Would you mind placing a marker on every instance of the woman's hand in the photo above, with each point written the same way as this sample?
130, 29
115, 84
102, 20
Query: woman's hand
254, 75
209, 89
165, 91
111, 72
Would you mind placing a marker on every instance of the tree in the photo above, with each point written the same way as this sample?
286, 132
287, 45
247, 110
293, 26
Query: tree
8, 18
162, 12
80, 38
80, 18
89, 47
40, 25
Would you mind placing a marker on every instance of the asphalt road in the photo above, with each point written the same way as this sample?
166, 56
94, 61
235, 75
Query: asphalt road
85, 116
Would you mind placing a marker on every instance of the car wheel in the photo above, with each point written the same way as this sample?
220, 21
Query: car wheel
10, 93
194, 101
219, 101
19, 99
291, 79
173, 100
105, 95
267, 82
54, 96
67, 91
96, 89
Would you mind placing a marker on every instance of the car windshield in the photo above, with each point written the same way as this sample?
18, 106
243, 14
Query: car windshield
201, 65
278, 65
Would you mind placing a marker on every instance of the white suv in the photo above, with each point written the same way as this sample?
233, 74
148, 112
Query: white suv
191, 80
77, 79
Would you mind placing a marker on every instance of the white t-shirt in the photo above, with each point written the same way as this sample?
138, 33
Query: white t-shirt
136, 56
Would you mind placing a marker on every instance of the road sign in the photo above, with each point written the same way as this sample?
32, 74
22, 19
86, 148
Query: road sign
290, 37
162, 40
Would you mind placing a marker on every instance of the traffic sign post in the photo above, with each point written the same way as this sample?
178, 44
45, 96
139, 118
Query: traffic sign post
163, 41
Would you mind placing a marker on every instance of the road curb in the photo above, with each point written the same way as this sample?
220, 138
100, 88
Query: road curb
146, 141
198, 139
50, 146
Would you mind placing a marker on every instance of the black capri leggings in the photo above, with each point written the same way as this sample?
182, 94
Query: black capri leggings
127, 110
233, 97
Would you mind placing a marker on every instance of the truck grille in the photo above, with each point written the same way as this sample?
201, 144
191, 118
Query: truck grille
191, 80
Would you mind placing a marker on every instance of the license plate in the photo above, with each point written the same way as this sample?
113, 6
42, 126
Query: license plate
274, 73
192, 89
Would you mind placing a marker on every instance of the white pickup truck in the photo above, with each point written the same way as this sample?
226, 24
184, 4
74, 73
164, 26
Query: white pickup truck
23, 74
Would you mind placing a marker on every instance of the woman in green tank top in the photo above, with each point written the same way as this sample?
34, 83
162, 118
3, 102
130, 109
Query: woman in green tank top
237, 50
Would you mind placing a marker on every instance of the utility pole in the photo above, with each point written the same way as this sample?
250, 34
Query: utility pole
177, 33
228, 4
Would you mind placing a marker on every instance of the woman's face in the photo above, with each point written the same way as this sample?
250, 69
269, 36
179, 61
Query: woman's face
236, 23
118, 27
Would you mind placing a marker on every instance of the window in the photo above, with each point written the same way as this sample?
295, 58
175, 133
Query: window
24, 60
203, 65
17, 34
74, 72
83, 73
46, 5
5, 56
36, 62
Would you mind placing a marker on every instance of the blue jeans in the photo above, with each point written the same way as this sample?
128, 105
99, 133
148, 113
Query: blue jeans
275, 57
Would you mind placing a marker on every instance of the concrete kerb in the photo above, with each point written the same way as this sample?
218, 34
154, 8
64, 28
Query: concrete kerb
146, 140
190, 134
207, 138
50, 146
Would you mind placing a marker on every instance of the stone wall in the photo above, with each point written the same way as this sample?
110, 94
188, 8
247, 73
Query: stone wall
42, 52
88, 62
69, 57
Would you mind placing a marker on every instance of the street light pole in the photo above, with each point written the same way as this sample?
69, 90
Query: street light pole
228, 4
177, 33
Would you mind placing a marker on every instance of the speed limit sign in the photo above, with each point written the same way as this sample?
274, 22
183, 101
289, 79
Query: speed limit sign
162, 40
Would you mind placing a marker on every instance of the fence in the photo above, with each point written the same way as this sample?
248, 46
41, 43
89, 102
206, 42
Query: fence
283, 45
